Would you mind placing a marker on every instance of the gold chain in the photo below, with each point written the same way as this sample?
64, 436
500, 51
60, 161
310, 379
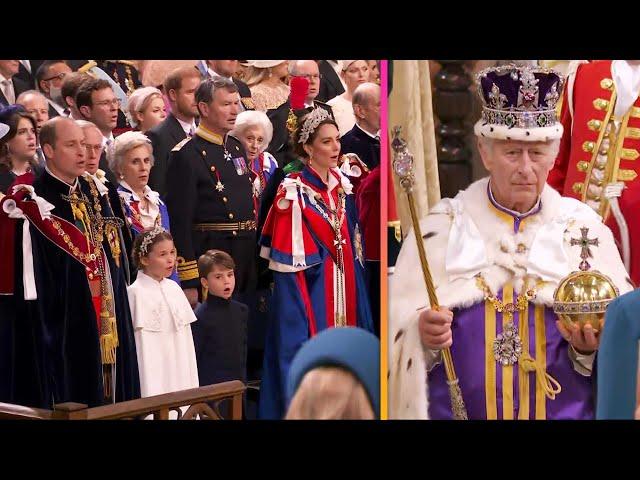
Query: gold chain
507, 309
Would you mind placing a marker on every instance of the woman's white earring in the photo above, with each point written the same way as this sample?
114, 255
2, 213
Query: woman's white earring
270, 73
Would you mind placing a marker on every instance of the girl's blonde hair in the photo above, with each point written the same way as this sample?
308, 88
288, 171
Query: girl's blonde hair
330, 393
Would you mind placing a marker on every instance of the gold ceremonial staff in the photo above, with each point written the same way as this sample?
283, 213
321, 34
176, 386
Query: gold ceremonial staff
403, 167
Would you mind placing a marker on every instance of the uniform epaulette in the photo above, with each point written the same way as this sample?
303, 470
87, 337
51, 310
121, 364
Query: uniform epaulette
181, 144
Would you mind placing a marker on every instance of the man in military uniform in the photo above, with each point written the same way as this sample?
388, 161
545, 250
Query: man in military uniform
209, 191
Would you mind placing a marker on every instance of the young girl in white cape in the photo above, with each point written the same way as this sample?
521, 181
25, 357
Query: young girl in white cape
162, 318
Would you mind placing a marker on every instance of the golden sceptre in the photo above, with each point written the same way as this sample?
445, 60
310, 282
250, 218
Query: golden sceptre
403, 168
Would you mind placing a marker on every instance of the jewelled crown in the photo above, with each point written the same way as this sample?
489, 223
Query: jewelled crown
519, 103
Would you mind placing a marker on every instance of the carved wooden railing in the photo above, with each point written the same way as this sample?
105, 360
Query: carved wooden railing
197, 403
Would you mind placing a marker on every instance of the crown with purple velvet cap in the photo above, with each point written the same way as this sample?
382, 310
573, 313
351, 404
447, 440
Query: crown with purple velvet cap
519, 103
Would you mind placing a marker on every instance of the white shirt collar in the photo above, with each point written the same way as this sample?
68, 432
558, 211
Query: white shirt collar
626, 78
3, 78
375, 136
186, 126
213, 73
105, 139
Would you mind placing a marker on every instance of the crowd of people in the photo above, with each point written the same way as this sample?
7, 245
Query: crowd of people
168, 225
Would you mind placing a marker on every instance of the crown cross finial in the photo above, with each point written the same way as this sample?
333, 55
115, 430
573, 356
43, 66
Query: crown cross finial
585, 243
528, 92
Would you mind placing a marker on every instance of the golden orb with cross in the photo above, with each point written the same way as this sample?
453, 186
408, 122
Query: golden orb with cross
582, 297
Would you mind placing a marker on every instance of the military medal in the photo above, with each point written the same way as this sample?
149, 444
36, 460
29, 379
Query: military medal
241, 165
219, 184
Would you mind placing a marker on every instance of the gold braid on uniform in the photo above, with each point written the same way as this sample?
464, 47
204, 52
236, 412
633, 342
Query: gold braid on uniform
187, 270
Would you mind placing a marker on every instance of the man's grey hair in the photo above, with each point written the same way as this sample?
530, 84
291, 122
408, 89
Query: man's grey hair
207, 88
489, 142
84, 124
23, 95
363, 93
295, 64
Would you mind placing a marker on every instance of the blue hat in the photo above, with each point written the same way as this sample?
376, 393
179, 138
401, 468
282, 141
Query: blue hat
618, 359
353, 349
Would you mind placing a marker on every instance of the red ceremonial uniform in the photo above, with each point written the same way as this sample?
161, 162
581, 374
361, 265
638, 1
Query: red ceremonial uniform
598, 149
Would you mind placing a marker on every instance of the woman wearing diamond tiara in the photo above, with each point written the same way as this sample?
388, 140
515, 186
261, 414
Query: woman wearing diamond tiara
316, 259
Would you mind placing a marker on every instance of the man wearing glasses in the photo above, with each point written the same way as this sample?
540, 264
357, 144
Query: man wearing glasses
49, 78
279, 146
309, 70
98, 104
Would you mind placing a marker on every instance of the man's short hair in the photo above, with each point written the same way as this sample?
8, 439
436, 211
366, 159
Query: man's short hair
175, 78
293, 66
363, 93
43, 70
72, 83
83, 96
48, 132
207, 89
26, 93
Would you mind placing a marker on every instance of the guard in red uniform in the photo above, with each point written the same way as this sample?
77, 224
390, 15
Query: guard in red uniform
598, 158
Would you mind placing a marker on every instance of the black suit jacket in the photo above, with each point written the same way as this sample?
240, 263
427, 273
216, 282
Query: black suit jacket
358, 142
28, 78
103, 165
19, 86
330, 84
52, 112
243, 89
164, 137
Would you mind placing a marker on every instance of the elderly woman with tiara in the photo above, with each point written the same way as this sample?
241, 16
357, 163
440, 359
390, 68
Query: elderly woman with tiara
310, 240
131, 159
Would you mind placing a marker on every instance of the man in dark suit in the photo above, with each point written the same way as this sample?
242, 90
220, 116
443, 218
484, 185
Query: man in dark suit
10, 86
49, 78
331, 86
27, 72
364, 138
280, 141
179, 86
226, 69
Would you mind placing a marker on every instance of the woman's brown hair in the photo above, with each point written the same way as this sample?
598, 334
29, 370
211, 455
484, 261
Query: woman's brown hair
11, 117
